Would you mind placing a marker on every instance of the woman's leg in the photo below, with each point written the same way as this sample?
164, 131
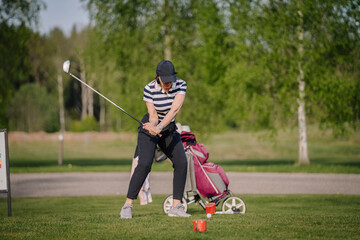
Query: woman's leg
142, 193
146, 147
174, 149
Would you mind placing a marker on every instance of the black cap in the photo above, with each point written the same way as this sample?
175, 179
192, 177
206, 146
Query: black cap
165, 69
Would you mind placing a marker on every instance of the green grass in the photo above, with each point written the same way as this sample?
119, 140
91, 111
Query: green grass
234, 151
267, 217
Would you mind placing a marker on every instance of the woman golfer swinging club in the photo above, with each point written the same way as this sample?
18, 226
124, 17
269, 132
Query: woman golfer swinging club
164, 97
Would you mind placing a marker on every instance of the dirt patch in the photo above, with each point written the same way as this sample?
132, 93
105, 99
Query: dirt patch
43, 136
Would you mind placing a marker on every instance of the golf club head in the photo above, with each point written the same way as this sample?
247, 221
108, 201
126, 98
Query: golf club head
66, 66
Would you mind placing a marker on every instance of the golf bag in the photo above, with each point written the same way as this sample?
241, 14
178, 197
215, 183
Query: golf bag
211, 179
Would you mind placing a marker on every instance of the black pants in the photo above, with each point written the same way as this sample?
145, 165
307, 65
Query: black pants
170, 143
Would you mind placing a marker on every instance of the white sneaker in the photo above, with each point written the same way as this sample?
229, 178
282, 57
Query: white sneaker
178, 211
126, 211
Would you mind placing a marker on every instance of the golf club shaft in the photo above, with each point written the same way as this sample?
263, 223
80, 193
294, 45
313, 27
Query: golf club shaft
105, 98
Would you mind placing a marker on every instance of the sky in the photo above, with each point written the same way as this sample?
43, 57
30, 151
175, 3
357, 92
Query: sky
63, 14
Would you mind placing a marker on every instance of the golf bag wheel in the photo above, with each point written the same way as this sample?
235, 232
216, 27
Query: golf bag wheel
234, 205
168, 201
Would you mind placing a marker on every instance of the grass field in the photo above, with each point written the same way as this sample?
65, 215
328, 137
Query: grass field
267, 217
234, 151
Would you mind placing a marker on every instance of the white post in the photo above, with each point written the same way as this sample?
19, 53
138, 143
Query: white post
62, 120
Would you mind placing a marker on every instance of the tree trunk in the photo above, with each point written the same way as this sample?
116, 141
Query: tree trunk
90, 101
167, 47
303, 150
84, 92
102, 115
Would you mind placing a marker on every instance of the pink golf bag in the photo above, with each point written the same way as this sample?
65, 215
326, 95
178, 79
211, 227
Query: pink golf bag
211, 179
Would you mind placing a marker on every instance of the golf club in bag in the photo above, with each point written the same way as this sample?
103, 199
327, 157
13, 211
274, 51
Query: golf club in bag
66, 68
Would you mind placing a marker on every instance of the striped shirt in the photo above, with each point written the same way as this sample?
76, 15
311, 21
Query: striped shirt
153, 93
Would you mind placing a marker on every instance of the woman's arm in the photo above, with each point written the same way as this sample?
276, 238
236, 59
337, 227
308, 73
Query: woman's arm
153, 117
174, 110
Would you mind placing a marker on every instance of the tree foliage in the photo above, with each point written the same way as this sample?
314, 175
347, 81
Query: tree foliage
239, 58
16, 17
32, 109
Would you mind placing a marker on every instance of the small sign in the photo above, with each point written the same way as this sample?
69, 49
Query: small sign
3, 169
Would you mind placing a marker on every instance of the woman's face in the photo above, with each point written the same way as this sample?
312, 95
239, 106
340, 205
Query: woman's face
166, 86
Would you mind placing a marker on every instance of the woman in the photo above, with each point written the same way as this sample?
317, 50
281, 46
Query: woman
164, 97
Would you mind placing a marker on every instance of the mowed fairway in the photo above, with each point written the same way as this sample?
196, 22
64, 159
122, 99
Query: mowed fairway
267, 217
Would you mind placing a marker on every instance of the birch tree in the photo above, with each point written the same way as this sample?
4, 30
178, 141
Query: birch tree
167, 36
303, 149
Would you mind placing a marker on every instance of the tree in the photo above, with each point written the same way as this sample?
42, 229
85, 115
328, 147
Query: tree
282, 45
20, 12
130, 43
32, 109
84, 52
16, 17
303, 150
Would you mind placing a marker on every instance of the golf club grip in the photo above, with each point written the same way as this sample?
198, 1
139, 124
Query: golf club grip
105, 98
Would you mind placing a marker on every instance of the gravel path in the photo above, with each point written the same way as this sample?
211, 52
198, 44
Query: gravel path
113, 183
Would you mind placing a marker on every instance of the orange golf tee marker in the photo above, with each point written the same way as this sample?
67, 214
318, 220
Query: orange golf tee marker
199, 225
210, 208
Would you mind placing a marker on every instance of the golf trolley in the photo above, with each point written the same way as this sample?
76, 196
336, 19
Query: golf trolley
230, 204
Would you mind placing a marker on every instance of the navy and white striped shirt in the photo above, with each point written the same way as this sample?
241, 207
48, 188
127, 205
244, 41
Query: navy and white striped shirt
153, 93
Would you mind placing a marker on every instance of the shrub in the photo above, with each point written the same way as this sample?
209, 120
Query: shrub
87, 124
32, 109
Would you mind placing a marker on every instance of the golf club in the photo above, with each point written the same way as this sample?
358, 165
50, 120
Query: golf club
66, 68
